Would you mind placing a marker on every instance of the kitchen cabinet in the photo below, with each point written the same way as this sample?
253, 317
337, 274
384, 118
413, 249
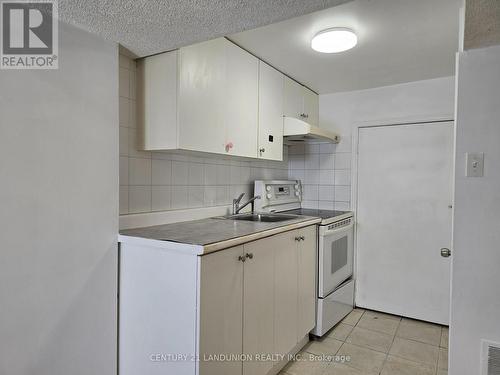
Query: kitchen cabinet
270, 131
221, 310
300, 102
202, 97
265, 283
257, 298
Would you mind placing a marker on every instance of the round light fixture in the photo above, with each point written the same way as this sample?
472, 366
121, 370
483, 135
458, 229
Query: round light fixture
337, 39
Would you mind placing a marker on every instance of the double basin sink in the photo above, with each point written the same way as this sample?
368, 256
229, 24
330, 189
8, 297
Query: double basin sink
263, 217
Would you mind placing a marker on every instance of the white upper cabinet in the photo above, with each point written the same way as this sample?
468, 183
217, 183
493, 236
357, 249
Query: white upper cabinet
202, 82
300, 102
270, 112
216, 97
241, 104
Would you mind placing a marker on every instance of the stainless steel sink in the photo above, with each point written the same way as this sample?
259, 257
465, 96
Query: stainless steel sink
265, 218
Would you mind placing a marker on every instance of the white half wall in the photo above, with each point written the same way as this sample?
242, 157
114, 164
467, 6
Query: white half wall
475, 305
59, 213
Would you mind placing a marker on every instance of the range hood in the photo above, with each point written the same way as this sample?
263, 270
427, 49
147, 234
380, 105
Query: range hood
295, 131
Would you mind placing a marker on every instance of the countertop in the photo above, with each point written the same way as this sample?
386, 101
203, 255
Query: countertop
214, 234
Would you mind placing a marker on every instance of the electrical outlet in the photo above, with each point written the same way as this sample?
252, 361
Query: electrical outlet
474, 164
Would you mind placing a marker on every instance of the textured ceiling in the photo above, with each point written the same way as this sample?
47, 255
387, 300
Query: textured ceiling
146, 27
482, 23
399, 41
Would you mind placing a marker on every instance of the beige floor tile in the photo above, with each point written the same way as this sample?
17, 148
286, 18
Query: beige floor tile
415, 351
443, 359
445, 332
342, 369
419, 331
327, 346
382, 315
305, 366
353, 318
400, 366
370, 339
363, 359
379, 322
340, 332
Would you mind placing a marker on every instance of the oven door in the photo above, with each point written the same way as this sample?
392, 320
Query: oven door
335, 257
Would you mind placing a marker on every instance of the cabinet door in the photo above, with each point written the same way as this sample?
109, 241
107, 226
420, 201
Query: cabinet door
285, 291
202, 94
293, 100
311, 106
307, 249
258, 304
270, 113
241, 101
221, 310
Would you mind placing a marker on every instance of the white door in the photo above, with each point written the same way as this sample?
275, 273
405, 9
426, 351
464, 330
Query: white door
293, 101
404, 219
311, 107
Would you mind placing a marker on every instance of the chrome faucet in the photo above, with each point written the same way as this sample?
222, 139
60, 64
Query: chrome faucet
236, 203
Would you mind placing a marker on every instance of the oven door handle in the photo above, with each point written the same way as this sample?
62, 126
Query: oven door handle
329, 232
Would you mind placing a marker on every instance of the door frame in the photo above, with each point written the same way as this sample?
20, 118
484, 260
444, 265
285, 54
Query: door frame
411, 120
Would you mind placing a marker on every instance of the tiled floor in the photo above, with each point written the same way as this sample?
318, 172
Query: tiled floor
368, 343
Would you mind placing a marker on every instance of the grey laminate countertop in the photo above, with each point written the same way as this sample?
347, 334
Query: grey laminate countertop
217, 233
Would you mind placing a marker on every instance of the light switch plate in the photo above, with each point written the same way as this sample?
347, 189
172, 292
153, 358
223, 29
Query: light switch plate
474, 164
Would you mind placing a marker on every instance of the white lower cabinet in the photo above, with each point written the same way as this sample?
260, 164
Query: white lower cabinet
256, 300
185, 314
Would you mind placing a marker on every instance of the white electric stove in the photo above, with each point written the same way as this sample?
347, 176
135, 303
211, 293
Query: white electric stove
335, 285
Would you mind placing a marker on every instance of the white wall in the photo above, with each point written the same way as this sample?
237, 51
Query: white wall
166, 181
59, 214
342, 112
475, 306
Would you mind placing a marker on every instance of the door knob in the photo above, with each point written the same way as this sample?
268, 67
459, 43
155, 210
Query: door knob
445, 252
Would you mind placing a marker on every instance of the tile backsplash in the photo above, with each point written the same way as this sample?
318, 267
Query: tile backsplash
325, 174
162, 181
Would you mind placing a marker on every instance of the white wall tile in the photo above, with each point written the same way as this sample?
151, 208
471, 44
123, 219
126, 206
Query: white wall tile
326, 193
296, 149
342, 177
139, 171
180, 173
123, 200
326, 177
342, 206
311, 148
179, 197
124, 83
245, 175
123, 171
223, 175
326, 205
195, 196
311, 176
222, 195
123, 134
310, 192
311, 161
210, 174
196, 174
235, 175
310, 204
161, 172
139, 199
326, 161
296, 162
124, 111
342, 193
326, 148
160, 198
296, 174
210, 196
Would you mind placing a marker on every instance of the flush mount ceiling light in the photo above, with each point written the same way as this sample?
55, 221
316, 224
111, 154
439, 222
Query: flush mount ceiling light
337, 39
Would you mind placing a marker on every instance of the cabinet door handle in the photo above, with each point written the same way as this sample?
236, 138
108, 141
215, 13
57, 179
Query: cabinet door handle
242, 258
297, 239
249, 255
262, 150
302, 238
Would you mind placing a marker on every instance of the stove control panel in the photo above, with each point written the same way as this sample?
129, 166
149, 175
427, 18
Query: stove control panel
277, 195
